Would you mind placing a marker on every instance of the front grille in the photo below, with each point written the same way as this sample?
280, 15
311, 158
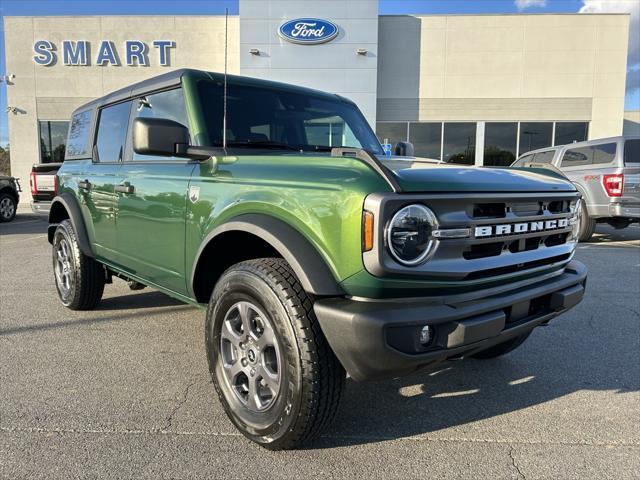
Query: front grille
492, 272
508, 233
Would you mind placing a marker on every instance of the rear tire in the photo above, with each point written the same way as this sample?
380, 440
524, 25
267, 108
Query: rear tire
79, 279
587, 224
7, 207
275, 374
502, 348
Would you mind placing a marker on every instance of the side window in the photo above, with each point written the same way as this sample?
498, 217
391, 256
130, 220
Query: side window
604, 153
78, 139
544, 157
522, 160
331, 131
632, 152
112, 132
169, 105
576, 157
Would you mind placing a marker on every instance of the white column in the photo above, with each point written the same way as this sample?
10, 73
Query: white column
479, 144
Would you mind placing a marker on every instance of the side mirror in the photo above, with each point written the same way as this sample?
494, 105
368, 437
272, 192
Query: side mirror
159, 136
405, 149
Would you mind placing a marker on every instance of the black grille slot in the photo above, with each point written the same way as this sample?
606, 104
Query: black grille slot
559, 206
483, 251
489, 210
557, 239
490, 272
527, 209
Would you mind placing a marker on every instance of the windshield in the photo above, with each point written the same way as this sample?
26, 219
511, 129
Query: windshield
270, 118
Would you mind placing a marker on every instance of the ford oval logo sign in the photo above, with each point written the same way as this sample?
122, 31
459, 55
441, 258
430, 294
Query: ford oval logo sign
308, 31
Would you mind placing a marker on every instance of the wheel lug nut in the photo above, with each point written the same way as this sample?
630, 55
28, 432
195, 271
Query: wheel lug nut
253, 372
244, 362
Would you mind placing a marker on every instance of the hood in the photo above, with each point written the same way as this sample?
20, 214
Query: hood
430, 177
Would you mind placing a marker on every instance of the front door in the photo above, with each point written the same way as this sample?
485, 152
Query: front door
152, 200
98, 179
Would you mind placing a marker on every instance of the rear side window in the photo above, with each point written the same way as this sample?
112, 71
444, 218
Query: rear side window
544, 157
577, 157
112, 132
168, 105
78, 138
604, 153
521, 161
632, 152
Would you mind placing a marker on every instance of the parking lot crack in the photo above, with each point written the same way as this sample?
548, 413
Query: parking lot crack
514, 464
177, 406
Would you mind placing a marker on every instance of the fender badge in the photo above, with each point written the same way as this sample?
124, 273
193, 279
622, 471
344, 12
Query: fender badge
194, 194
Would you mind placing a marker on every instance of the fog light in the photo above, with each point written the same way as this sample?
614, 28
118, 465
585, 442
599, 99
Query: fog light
426, 335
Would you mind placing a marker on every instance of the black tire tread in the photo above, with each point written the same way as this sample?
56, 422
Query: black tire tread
588, 227
323, 377
90, 275
15, 207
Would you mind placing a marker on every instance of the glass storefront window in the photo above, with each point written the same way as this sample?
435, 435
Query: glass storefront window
500, 142
459, 143
534, 135
53, 139
569, 132
392, 132
426, 139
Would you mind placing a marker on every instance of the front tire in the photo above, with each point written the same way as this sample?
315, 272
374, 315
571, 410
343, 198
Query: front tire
79, 279
7, 207
275, 374
587, 224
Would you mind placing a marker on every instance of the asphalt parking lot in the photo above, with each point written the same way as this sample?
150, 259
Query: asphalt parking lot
124, 391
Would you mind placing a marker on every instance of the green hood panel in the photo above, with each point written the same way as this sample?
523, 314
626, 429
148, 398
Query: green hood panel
453, 178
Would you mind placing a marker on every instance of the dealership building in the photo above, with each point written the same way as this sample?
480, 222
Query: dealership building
474, 89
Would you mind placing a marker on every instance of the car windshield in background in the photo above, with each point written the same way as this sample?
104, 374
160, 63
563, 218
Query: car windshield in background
632, 152
260, 117
539, 157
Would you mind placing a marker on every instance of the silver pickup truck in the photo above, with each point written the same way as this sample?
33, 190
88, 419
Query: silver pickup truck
605, 171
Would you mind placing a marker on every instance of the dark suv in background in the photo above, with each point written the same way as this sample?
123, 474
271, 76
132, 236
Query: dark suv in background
9, 197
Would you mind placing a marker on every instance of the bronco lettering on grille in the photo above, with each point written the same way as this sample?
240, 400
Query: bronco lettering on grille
516, 228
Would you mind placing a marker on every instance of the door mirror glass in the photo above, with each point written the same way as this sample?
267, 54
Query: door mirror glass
159, 136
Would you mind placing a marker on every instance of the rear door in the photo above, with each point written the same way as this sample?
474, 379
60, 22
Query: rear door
152, 197
98, 179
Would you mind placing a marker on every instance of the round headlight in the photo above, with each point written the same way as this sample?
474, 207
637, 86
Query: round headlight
409, 234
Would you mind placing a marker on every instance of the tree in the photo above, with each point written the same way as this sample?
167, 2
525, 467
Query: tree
5, 164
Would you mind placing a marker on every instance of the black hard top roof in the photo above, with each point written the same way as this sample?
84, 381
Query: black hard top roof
173, 78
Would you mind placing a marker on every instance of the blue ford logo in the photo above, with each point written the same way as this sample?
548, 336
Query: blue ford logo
308, 31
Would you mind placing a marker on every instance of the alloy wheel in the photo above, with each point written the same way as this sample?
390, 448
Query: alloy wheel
7, 208
63, 265
251, 357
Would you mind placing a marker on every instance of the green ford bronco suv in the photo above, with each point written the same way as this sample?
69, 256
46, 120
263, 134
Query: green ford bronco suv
275, 208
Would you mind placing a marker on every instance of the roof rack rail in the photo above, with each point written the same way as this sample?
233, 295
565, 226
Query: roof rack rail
370, 159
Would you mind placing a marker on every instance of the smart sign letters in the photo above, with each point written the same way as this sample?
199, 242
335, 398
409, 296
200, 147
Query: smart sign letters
79, 53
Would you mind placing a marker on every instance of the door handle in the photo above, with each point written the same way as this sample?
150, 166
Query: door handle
84, 185
126, 188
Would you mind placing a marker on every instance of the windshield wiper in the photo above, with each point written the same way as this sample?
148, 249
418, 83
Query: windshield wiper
264, 144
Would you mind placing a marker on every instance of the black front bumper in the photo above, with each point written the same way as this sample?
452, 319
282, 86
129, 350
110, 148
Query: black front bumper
379, 339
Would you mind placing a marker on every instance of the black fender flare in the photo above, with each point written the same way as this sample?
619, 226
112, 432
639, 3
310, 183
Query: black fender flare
305, 260
70, 204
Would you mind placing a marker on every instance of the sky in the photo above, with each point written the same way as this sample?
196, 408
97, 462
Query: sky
211, 7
